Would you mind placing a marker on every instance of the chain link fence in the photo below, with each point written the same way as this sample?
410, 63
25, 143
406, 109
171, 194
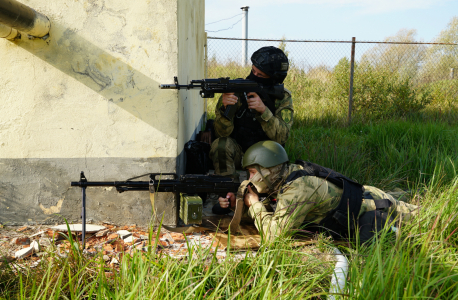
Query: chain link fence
389, 77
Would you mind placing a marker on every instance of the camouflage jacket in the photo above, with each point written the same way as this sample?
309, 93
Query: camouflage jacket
308, 199
305, 199
276, 124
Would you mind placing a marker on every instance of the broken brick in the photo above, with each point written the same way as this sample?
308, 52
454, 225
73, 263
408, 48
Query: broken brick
112, 236
23, 253
118, 246
102, 233
23, 228
20, 241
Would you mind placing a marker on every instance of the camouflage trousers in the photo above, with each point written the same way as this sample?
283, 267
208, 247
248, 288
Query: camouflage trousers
398, 209
226, 155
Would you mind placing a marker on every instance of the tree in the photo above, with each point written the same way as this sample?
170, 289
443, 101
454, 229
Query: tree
441, 58
403, 59
282, 46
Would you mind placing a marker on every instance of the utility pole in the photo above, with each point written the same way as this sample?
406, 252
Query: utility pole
245, 35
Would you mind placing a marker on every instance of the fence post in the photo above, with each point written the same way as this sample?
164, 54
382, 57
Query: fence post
452, 73
352, 64
206, 56
205, 76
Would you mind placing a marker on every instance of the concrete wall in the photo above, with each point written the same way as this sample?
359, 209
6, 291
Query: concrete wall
87, 99
191, 65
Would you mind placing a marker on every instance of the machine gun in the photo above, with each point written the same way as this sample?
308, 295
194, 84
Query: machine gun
208, 87
189, 185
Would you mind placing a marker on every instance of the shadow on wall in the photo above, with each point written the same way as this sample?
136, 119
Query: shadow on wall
107, 75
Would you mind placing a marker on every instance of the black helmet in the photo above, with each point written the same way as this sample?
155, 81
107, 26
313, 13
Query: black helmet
272, 61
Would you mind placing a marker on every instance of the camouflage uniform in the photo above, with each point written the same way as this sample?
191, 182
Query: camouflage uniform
226, 153
308, 199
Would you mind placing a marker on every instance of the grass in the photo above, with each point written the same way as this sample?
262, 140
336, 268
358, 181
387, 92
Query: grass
417, 150
271, 272
419, 262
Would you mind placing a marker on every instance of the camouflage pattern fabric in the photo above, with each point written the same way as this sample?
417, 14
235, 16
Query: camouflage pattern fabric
226, 155
276, 126
309, 199
398, 209
305, 199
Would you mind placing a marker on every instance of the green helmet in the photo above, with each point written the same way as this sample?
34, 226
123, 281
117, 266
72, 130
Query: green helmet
267, 154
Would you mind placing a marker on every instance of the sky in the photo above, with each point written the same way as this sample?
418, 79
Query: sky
367, 20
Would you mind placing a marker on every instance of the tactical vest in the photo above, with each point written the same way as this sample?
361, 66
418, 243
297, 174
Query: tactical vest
247, 129
344, 217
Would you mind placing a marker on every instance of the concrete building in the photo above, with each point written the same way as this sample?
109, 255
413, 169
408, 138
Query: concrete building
86, 98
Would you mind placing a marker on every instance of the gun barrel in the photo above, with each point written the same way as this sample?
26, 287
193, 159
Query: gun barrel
169, 86
110, 183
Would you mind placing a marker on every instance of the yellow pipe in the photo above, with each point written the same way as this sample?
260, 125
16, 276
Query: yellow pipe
22, 18
8, 32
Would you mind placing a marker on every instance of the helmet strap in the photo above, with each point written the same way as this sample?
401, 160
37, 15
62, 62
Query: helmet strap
280, 176
263, 178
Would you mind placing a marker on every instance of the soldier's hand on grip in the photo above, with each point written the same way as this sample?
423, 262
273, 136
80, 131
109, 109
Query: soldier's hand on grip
229, 99
250, 197
228, 200
254, 102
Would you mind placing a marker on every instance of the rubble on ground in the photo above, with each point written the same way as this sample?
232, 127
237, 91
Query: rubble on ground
29, 244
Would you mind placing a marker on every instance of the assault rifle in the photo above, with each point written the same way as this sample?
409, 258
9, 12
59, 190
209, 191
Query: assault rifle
208, 87
188, 185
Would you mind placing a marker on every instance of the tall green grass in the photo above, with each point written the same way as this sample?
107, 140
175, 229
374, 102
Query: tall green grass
279, 270
420, 261
389, 154
417, 150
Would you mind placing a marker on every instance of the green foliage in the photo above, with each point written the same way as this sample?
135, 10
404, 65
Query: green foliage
387, 155
377, 93
439, 59
282, 46
444, 93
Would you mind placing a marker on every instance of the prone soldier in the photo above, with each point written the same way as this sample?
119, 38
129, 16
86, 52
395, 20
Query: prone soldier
307, 193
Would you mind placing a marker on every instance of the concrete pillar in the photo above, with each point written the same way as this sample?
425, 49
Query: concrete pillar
87, 99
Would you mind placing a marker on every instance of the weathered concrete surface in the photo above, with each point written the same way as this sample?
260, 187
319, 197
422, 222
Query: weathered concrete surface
190, 54
87, 99
38, 191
